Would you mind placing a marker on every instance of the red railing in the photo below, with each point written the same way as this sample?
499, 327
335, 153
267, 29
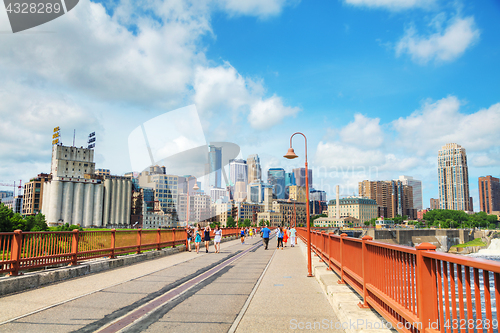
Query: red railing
415, 289
28, 250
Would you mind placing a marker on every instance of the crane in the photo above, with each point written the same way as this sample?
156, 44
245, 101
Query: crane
14, 186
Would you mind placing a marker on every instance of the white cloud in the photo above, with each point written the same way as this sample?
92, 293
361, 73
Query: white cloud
447, 45
364, 131
260, 8
392, 4
268, 112
441, 122
221, 89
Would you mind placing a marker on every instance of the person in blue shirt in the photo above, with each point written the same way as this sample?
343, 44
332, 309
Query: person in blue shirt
265, 236
242, 234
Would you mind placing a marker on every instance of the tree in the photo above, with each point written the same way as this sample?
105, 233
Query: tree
247, 223
231, 223
10, 221
367, 223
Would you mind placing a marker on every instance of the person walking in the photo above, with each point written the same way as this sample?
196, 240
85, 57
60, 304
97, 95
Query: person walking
242, 234
250, 233
206, 237
197, 238
217, 238
279, 233
293, 232
285, 236
265, 236
189, 238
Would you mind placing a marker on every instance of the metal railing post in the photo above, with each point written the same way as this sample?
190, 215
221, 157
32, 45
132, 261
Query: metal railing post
113, 243
173, 237
427, 310
342, 258
158, 239
139, 239
74, 247
364, 269
15, 251
329, 253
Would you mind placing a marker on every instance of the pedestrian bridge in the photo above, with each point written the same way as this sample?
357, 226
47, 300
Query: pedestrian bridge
244, 288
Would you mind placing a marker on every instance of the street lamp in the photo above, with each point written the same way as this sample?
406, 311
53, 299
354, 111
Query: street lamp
291, 155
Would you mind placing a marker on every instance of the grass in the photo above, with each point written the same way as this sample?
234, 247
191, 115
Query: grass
475, 242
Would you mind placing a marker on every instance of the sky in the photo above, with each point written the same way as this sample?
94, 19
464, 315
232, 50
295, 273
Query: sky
377, 86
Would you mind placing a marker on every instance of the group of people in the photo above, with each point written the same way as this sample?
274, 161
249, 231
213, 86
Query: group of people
246, 232
284, 234
198, 234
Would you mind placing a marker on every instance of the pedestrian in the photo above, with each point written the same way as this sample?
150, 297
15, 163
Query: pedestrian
292, 236
189, 237
265, 236
206, 237
285, 236
250, 232
279, 233
242, 234
217, 238
197, 238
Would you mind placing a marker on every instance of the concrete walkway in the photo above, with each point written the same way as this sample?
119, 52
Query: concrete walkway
286, 299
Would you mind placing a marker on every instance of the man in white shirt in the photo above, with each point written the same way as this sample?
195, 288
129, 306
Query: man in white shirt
292, 236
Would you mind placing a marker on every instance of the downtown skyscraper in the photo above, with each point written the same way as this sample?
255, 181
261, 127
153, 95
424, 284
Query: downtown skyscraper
489, 194
453, 178
214, 166
238, 171
254, 169
276, 178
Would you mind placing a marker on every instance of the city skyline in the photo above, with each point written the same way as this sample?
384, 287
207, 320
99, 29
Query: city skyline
378, 87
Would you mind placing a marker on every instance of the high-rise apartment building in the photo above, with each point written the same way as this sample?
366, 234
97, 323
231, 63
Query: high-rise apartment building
238, 171
417, 190
215, 166
489, 194
254, 169
276, 178
300, 176
392, 197
434, 203
453, 178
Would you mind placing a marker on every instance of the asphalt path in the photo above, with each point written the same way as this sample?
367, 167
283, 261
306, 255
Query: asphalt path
205, 293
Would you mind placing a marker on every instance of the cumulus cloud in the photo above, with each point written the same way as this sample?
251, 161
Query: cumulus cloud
260, 8
392, 4
266, 113
222, 88
444, 45
363, 130
441, 122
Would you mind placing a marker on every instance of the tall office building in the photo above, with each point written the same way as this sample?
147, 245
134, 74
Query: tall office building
254, 170
453, 178
417, 190
392, 197
276, 178
289, 181
300, 176
489, 194
238, 171
215, 166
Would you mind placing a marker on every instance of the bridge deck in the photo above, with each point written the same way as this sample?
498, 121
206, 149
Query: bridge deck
244, 288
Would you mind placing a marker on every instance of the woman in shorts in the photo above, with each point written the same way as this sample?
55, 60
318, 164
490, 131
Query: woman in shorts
189, 238
206, 237
197, 237
217, 238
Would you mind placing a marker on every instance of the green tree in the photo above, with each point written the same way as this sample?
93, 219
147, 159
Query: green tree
5, 218
247, 223
231, 223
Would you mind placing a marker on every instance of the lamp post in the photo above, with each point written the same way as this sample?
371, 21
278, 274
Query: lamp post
291, 155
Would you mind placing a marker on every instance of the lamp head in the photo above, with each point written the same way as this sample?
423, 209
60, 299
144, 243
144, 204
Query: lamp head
290, 154
195, 187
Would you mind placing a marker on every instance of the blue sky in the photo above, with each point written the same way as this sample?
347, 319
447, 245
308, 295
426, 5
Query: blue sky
378, 86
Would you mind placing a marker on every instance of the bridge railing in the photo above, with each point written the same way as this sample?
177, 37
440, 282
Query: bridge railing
415, 289
30, 250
